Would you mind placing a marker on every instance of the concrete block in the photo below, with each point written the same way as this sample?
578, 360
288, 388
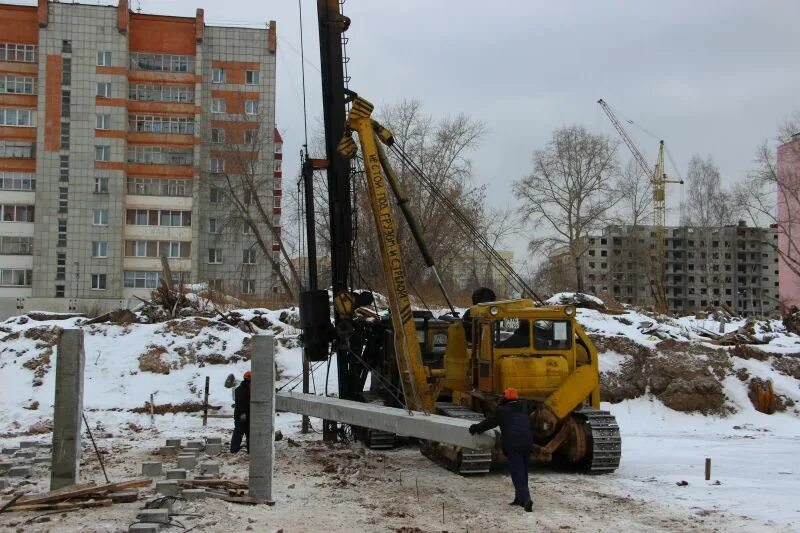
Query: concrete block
167, 450
213, 440
177, 473
167, 488
153, 515
29, 444
187, 462
20, 471
45, 446
187, 450
3, 483
25, 455
166, 503
201, 477
196, 444
144, 527
10, 451
151, 469
175, 443
209, 469
194, 494
42, 460
5, 466
214, 448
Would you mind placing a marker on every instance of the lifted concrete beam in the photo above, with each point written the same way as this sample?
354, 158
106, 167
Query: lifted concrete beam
436, 428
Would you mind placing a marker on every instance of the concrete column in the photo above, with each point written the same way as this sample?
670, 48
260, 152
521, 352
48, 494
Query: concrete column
68, 409
262, 417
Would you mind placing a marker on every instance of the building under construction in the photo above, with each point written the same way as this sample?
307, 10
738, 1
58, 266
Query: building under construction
733, 266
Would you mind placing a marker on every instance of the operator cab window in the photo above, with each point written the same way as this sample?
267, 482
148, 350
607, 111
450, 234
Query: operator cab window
512, 333
552, 335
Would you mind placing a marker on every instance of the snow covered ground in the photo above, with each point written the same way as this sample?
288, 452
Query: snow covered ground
755, 457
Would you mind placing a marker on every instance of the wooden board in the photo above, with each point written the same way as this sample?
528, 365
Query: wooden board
64, 506
83, 491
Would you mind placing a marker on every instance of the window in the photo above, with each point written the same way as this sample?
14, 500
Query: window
159, 186
215, 256
247, 229
249, 256
141, 280
65, 135
103, 59
16, 213
276, 203
217, 165
98, 282
62, 233
25, 53
277, 168
101, 185
161, 124
175, 249
154, 217
99, 249
10, 84
65, 103
63, 199
161, 93
160, 155
217, 135
218, 105
161, 62
12, 277
251, 77
103, 122
217, 75
102, 153
10, 245
100, 217
251, 107
17, 117
17, 150
279, 149
214, 225
104, 90
215, 195
250, 136
248, 286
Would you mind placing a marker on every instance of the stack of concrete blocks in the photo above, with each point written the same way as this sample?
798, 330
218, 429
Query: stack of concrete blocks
21, 462
151, 520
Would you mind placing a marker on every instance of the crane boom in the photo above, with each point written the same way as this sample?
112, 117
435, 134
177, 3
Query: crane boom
628, 141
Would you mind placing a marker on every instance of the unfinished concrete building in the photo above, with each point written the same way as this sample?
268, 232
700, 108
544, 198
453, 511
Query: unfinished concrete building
734, 266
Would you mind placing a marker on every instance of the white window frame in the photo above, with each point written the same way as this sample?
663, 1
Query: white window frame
100, 249
218, 75
248, 286
252, 77
215, 256
99, 282
102, 152
218, 105
104, 89
249, 256
104, 59
103, 121
100, 217
251, 107
217, 135
214, 225
101, 185
217, 165
17, 117
215, 195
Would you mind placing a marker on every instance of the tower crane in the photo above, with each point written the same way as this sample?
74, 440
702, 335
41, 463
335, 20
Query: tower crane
658, 180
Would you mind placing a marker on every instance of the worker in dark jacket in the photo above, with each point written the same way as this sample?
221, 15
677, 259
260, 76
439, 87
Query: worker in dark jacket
517, 440
241, 414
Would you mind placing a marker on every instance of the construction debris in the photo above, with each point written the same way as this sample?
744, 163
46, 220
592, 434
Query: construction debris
78, 496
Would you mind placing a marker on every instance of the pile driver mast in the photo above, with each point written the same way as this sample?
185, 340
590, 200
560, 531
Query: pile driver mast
658, 181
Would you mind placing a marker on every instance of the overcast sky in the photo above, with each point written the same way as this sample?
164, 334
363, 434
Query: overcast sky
709, 77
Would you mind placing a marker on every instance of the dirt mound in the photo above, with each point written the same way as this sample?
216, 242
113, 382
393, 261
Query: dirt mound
151, 361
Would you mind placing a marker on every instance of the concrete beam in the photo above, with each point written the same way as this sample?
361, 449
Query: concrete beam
436, 428
68, 409
261, 442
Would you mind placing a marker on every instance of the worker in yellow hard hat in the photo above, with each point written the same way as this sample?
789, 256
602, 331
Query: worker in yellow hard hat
517, 441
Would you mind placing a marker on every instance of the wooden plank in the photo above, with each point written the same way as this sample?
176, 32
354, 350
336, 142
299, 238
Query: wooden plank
63, 506
84, 492
227, 483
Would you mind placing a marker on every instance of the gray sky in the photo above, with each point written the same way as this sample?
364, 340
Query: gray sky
710, 77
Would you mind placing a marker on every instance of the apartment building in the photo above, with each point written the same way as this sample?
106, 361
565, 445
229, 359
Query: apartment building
125, 137
736, 266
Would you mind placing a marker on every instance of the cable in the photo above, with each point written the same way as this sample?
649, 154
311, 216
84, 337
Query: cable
303, 73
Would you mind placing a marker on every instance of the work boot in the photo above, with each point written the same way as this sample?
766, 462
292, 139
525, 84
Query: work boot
515, 502
528, 506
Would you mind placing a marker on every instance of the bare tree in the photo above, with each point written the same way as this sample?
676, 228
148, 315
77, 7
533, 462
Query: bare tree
570, 191
247, 181
636, 195
708, 205
771, 193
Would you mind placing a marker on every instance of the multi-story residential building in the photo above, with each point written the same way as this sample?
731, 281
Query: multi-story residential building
788, 221
473, 269
123, 137
736, 266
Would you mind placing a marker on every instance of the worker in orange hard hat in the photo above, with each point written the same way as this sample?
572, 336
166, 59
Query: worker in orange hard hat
241, 414
517, 440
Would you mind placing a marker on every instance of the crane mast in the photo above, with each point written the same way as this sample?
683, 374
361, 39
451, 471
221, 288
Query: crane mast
658, 181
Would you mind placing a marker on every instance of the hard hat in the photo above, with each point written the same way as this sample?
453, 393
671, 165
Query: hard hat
511, 394
247, 376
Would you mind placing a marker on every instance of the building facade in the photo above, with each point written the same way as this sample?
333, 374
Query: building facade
123, 137
788, 221
734, 266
